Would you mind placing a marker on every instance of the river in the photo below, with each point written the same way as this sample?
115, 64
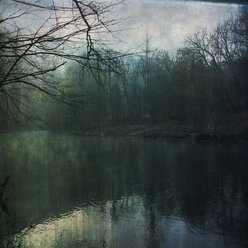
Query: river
71, 191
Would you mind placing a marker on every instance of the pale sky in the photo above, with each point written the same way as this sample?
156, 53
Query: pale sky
168, 21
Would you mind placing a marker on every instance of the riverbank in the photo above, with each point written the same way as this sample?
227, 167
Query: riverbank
181, 132
157, 131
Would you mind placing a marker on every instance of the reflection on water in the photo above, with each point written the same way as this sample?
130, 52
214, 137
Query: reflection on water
68, 191
94, 226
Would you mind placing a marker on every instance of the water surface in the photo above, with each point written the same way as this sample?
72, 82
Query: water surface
69, 191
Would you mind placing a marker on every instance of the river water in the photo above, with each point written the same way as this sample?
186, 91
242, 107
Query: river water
70, 191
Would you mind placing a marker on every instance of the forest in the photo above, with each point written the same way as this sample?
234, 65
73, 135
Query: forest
200, 89
123, 124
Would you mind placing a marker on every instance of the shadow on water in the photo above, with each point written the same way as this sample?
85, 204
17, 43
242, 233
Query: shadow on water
3, 206
68, 191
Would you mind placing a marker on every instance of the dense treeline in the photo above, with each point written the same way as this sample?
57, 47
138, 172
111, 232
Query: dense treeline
204, 85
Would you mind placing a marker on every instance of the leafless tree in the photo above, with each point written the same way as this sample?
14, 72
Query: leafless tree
38, 37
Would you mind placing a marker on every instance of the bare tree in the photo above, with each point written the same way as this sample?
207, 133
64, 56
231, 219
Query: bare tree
38, 37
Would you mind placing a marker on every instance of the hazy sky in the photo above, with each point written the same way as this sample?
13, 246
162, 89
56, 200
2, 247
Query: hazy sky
169, 22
